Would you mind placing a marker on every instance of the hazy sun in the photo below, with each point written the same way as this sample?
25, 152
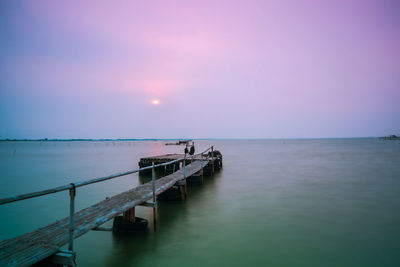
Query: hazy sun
155, 102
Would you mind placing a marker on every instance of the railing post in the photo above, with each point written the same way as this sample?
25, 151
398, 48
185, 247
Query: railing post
153, 183
202, 171
184, 178
72, 193
184, 167
212, 159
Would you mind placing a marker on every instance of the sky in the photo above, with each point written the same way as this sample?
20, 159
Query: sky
199, 69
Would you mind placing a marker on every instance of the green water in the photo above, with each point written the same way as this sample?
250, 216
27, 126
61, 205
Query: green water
275, 202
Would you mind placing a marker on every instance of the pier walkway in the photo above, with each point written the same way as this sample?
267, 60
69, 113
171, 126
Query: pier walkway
45, 242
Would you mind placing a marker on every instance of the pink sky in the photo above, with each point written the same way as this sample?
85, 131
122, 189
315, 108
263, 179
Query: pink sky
221, 69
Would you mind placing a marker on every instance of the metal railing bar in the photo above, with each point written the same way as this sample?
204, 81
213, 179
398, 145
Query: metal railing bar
83, 183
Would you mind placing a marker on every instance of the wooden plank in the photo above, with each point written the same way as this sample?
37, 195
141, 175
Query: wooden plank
169, 157
29, 248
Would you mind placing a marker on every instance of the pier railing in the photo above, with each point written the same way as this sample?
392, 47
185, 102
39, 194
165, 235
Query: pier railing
73, 186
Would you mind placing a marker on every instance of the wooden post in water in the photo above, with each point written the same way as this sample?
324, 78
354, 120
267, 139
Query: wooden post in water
129, 215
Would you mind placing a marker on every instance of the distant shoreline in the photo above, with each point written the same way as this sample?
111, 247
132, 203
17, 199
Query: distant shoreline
177, 139
68, 140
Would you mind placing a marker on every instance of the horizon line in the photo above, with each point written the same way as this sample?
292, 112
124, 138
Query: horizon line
174, 139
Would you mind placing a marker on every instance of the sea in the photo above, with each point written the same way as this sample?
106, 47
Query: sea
280, 202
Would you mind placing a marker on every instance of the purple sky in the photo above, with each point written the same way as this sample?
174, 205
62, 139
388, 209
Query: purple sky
221, 69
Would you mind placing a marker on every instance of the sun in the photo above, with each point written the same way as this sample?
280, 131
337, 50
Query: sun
155, 102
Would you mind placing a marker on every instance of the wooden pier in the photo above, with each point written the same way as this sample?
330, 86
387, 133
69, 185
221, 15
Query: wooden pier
43, 245
215, 162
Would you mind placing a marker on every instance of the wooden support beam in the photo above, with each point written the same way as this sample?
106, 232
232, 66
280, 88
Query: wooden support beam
129, 215
182, 188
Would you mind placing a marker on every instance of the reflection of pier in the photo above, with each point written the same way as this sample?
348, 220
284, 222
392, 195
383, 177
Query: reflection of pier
43, 245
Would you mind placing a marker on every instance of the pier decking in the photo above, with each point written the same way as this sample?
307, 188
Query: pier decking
215, 161
35, 246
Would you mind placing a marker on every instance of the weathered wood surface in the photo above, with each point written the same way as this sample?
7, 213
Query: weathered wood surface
166, 157
169, 157
35, 246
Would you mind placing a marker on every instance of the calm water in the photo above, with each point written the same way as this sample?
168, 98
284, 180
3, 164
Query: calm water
275, 203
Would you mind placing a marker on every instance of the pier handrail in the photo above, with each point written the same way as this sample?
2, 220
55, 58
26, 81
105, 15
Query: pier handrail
72, 189
73, 186
79, 184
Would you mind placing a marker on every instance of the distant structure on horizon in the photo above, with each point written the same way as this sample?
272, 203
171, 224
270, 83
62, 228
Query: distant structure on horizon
179, 143
390, 137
